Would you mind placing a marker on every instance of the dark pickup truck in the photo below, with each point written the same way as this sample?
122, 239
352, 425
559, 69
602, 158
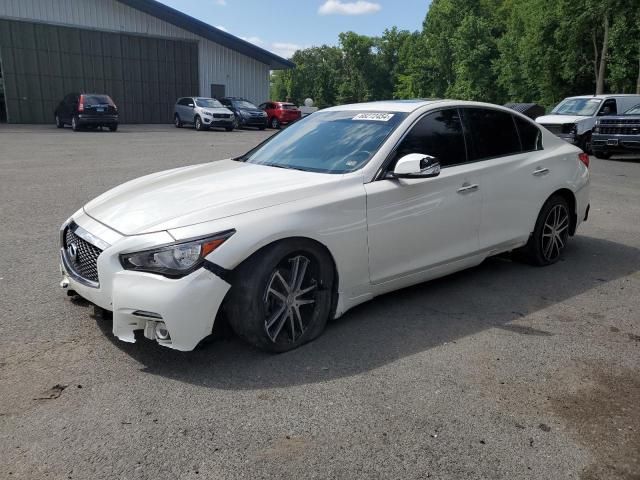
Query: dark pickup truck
617, 134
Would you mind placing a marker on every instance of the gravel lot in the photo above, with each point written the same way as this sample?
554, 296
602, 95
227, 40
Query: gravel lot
504, 371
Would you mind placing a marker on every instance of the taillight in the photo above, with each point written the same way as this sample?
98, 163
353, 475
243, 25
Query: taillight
81, 104
584, 158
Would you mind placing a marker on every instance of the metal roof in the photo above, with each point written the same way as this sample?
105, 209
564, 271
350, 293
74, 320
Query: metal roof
205, 30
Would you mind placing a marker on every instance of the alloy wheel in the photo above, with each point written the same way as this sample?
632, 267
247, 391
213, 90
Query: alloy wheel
290, 299
555, 232
198, 123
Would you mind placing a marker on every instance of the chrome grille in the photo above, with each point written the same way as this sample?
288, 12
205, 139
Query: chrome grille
621, 130
620, 121
85, 261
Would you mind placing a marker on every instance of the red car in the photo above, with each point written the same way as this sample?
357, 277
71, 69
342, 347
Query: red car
280, 113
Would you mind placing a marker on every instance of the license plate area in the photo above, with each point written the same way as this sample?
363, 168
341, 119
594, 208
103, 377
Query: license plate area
613, 142
99, 110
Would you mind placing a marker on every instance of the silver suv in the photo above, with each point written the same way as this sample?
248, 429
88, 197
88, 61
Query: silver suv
202, 113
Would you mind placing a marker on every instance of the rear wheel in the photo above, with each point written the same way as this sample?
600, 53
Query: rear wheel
602, 155
551, 233
113, 127
75, 125
176, 121
281, 297
275, 124
59, 123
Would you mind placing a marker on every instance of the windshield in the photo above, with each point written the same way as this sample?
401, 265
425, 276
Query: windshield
585, 107
633, 110
328, 142
244, 104
208, 103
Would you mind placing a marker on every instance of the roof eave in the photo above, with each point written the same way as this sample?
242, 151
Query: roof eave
204, 30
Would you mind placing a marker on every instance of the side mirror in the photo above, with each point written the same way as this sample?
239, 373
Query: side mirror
417, 165
191, 105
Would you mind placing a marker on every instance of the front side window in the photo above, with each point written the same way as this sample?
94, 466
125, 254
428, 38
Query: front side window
609, 107
438, 134
584, 107
327, 142
492, 133
208, 103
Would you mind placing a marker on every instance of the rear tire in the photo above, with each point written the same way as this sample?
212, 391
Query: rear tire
75, 126
59, 123
281, 296
602, 155
176, 121
113, 128
551, 233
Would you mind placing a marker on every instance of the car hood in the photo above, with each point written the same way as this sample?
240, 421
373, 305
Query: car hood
200, 193
621, 118
217, 110
560, 119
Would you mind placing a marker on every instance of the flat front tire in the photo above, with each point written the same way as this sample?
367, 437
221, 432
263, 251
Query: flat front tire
551, 233
281, 296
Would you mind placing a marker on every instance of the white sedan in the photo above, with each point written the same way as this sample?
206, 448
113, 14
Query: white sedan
346, 204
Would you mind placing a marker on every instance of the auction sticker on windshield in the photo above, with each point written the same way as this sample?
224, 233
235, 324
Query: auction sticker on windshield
378, 117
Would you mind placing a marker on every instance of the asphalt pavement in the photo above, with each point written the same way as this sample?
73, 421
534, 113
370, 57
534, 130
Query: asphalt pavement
504, 371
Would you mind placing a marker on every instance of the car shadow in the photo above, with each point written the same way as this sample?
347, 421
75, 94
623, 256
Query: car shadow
400, 324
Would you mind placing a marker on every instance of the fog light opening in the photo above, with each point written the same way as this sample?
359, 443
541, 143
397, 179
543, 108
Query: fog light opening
162, 333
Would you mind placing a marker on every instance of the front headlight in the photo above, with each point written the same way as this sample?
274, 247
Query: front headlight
176, 259
207, 114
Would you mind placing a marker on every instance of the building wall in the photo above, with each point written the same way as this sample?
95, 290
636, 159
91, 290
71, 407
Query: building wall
243, 76
144, 75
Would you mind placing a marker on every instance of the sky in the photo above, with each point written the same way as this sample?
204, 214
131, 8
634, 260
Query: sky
283, 26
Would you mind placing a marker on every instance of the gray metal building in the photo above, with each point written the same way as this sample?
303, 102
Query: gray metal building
141, 52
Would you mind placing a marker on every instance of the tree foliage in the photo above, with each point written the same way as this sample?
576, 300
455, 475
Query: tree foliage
488, 50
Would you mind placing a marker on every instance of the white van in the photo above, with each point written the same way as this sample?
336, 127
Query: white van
573, 119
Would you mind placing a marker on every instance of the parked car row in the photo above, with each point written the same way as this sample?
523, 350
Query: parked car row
97, 110
599, 124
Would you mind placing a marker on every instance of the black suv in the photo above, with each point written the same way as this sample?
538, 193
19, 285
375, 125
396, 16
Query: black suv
87, 110
246, 113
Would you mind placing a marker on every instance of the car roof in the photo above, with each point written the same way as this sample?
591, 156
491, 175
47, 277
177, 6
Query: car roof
610, 95
408, 106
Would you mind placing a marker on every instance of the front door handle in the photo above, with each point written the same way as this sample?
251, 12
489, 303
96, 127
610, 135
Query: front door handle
466, 188
538, 172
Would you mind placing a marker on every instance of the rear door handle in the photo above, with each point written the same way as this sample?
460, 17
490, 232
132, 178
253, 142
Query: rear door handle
540, 171
466, 188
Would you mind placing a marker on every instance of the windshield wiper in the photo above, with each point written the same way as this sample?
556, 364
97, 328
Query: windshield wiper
286, 167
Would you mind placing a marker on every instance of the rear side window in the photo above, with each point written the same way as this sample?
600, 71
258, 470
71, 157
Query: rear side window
493, 133
530, 135
438, 134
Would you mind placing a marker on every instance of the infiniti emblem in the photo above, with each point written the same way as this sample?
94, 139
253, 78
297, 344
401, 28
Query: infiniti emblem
72, 251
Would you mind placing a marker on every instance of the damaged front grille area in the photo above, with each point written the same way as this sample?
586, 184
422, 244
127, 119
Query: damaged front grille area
80, 257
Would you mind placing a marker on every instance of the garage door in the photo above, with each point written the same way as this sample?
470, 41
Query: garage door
144, 75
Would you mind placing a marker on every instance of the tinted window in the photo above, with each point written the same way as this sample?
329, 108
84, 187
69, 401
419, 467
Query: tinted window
185, 101
327, 142
438, 134
97, 100
244, 104
530, 135
493, 133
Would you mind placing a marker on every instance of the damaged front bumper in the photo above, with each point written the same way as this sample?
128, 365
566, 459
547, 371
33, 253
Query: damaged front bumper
177, 313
